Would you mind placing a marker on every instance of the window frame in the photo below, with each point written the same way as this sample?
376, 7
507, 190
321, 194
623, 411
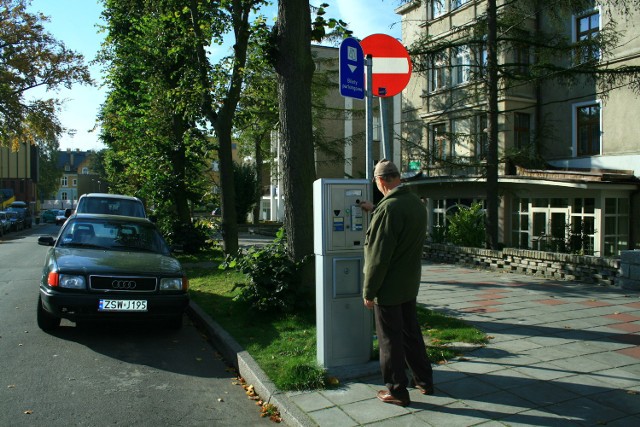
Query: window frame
521, 134
438, 72
438, 142
437, 12
460, 65
578, 35
576, 150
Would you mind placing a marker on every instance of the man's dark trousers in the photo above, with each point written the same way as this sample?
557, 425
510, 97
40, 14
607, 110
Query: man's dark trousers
401, 344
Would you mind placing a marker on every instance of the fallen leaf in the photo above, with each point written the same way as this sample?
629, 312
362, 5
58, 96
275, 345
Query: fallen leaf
220, 399
198, 359
11, 386
28, 412
333, 381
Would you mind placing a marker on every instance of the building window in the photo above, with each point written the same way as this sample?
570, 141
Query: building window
439, 149
438, 72
64, 181
85, 171
438, 8
520, 224
588, 130
587, 29
457, 3
64, 196
522, 60
461, 65
616, 226
582, 229
74, 182
521, 130
481, 137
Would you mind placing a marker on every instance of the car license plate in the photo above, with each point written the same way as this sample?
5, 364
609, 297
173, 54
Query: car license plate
122, 305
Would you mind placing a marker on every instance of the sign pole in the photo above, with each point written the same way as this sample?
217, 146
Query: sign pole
384, 107
369, 116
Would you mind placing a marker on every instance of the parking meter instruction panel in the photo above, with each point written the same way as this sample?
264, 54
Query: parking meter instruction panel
343, 219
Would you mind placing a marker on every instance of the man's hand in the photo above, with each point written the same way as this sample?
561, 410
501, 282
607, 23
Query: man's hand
366, 205
368, 303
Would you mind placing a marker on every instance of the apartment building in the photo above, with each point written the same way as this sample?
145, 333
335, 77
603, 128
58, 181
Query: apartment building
569, 150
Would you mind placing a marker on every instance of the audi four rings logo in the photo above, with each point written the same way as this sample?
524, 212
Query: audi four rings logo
123, 284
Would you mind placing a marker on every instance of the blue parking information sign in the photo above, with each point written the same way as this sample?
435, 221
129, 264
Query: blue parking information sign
351, 69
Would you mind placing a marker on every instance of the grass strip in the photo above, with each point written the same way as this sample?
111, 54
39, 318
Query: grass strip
285, 345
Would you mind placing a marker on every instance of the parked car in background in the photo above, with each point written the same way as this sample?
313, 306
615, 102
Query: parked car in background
25, 212
15, 219
110, 267
111, 204
61, 216
5, 223
49, 215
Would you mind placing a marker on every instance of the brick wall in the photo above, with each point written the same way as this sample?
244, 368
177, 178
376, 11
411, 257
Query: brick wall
586, 269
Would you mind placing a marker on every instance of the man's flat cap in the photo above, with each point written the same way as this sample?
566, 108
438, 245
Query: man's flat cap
385, 167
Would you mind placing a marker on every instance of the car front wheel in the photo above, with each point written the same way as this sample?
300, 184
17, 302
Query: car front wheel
46, 320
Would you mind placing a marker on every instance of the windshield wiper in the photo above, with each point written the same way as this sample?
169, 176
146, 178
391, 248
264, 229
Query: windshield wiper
83, 245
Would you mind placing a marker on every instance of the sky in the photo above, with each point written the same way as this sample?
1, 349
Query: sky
75, 22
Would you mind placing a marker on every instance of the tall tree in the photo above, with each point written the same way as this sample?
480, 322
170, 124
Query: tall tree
220, 112
29, 58
510, 33
150, 117
294, 66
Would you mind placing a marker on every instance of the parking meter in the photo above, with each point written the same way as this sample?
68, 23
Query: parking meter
344, 332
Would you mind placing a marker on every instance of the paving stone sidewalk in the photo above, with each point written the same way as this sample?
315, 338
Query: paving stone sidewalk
561, 354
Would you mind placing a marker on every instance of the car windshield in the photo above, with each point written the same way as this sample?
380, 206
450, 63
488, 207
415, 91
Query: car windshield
111, 206
112, 235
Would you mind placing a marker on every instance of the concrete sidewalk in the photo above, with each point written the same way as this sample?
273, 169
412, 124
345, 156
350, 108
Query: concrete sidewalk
561, 353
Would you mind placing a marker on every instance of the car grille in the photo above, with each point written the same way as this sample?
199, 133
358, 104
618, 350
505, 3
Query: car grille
122, 283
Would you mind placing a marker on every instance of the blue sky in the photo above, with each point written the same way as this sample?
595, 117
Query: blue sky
75, 23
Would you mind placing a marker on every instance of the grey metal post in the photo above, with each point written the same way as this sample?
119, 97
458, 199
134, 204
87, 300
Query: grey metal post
384, 137
369, 116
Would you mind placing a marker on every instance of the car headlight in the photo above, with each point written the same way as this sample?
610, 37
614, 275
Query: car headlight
71, 282
173, 284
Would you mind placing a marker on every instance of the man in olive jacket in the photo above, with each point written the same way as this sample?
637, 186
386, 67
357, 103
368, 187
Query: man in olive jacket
392, 268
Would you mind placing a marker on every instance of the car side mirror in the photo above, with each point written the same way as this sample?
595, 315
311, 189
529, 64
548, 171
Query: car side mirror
46, 240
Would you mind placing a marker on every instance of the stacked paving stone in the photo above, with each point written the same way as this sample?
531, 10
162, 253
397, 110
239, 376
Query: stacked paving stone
630, 270
580, 268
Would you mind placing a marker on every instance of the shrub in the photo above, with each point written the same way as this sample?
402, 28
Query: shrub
466, 227
274, 279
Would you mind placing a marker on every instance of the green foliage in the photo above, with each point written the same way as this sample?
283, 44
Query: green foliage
466, 227
191, 237
30, 58
244, 176
274, 278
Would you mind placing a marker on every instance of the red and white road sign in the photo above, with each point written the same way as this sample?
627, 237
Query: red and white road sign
391, 65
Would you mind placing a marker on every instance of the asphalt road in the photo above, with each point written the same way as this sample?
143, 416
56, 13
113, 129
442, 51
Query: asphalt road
104, 374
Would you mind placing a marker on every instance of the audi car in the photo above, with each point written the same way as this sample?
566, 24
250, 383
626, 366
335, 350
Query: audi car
110, 267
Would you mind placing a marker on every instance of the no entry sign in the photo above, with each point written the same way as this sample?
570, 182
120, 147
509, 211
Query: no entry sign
391, 65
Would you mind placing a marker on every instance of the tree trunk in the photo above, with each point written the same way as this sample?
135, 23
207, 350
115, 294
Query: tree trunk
294, 66
492, 131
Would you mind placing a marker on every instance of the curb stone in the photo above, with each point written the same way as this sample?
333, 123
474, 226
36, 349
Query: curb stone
248, 368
